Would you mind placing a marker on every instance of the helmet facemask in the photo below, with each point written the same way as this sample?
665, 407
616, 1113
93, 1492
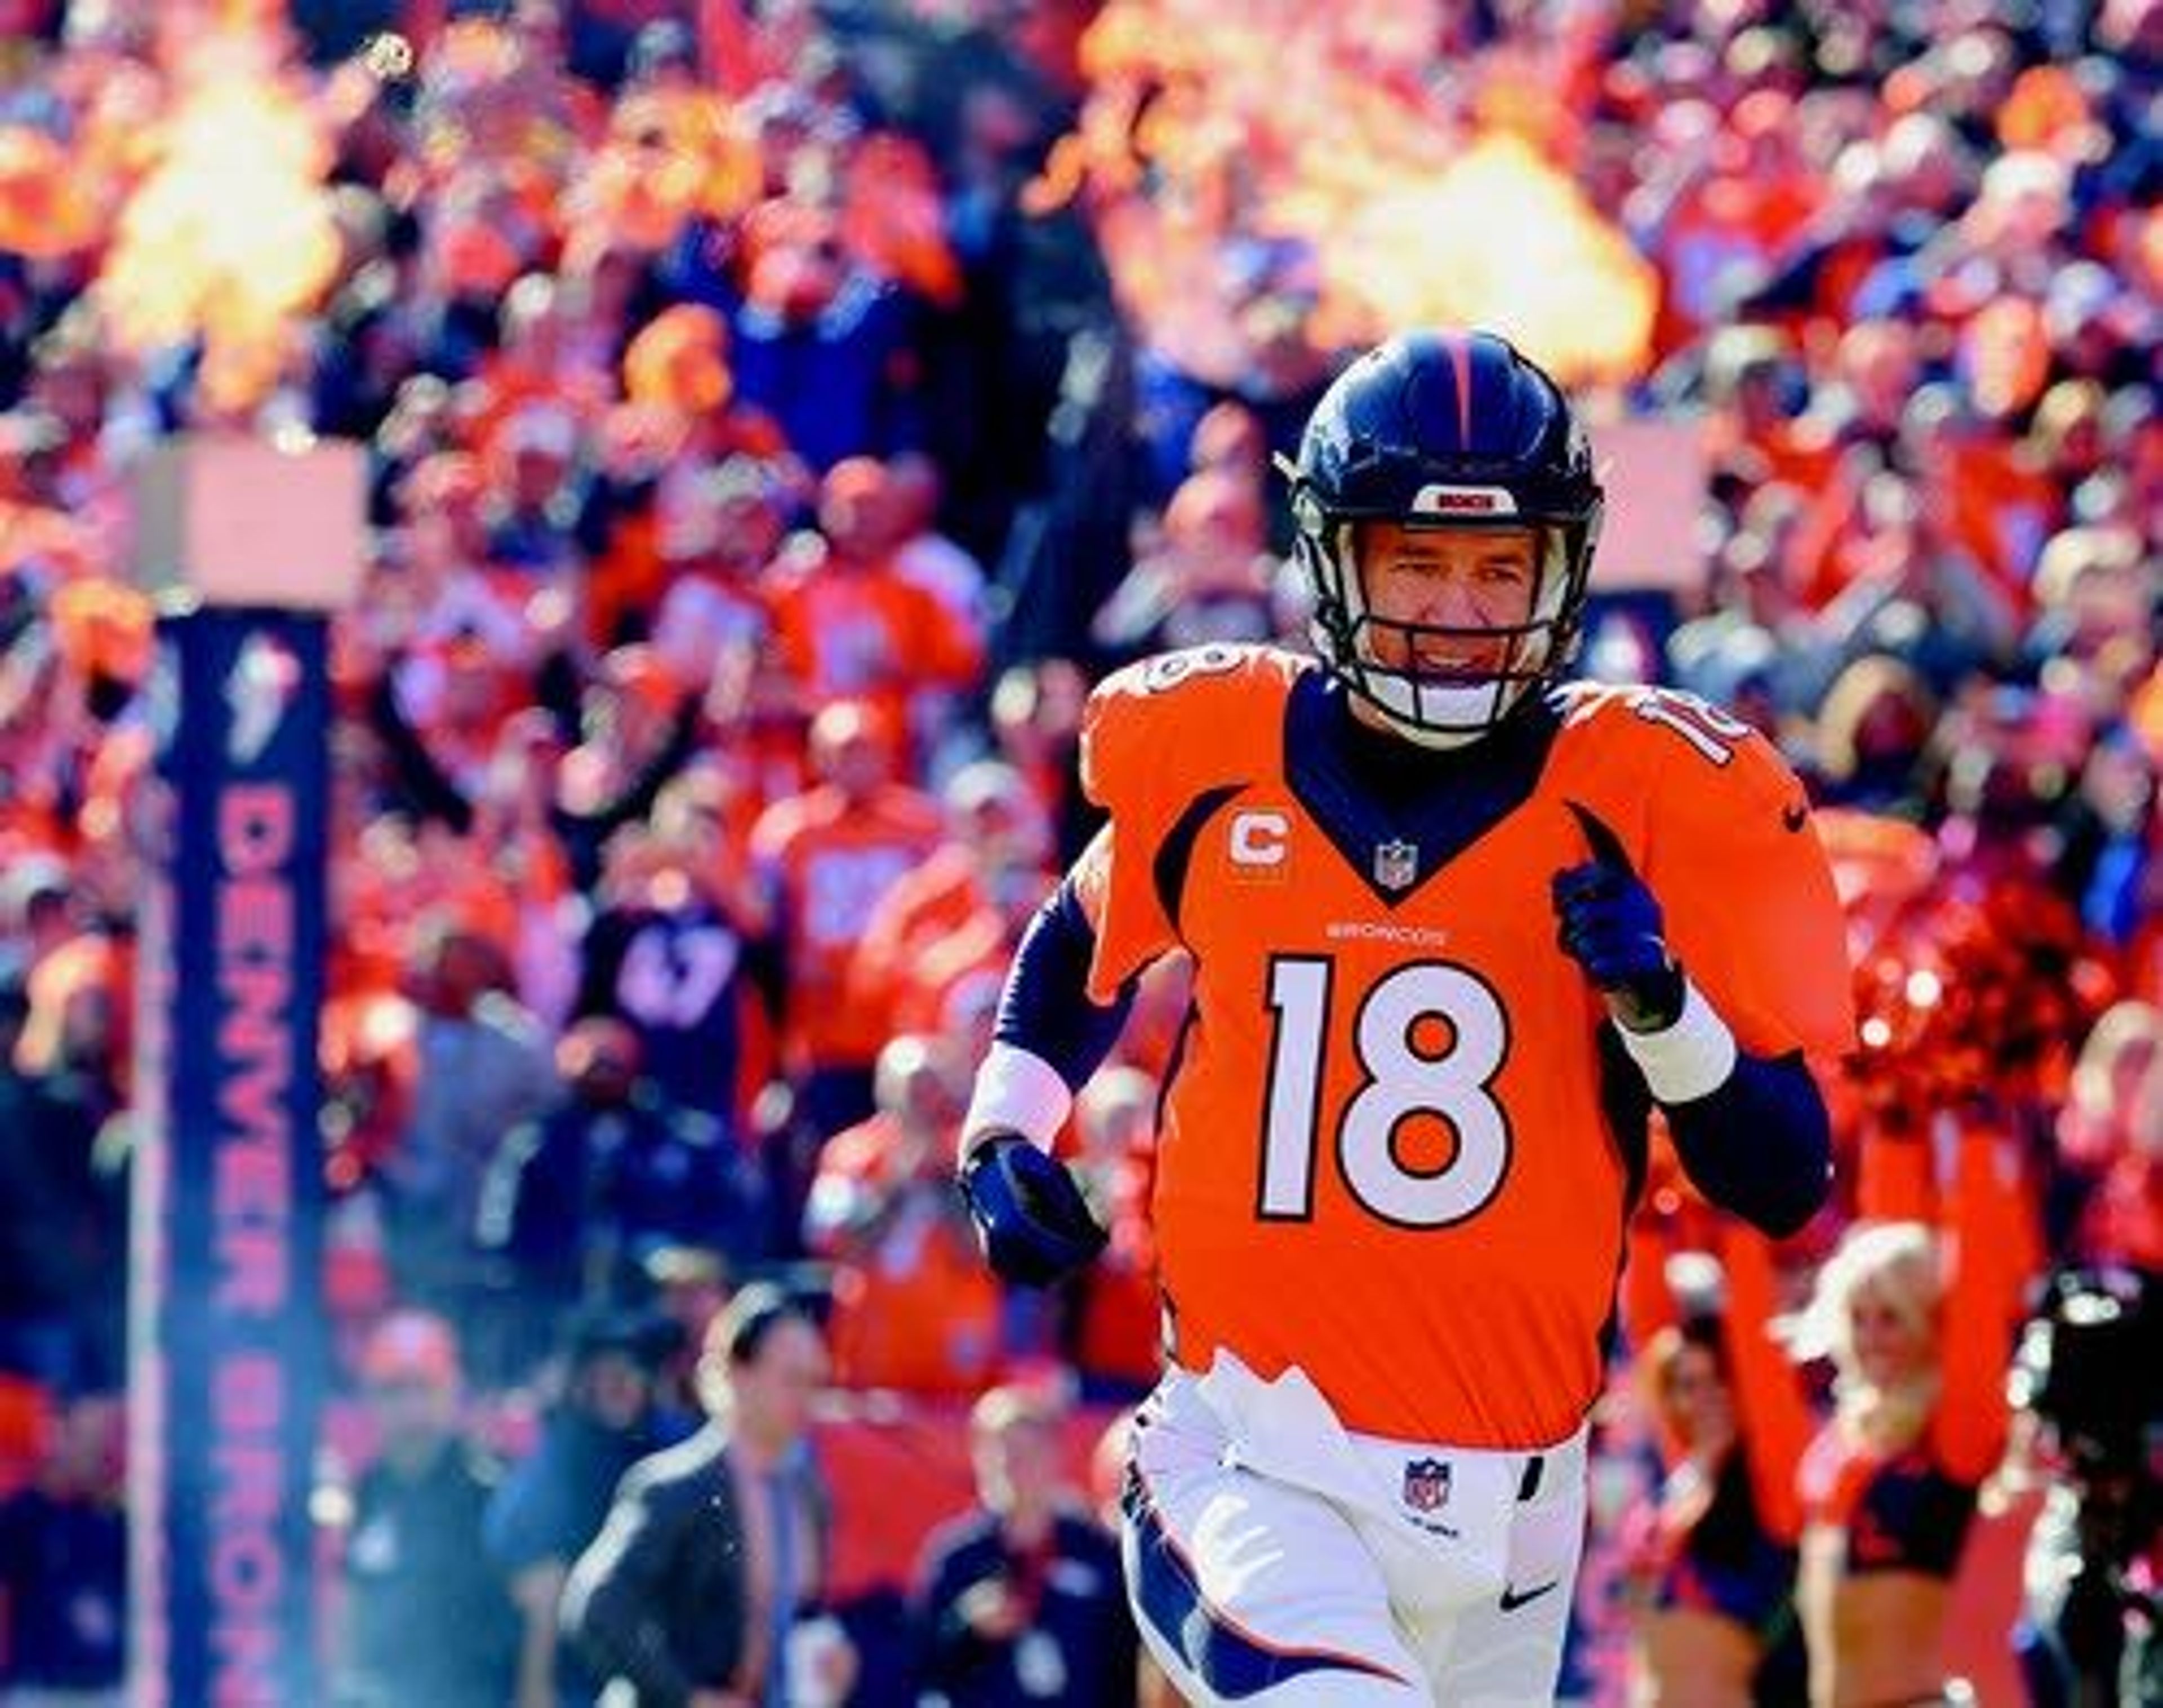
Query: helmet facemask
1480, 673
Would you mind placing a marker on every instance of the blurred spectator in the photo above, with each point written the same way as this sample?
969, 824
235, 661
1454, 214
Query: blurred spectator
2110, 862
552, 1503
933, 952
1114, 1333
672, 949
576, 1200
923, 554
1021, 1601
1207, 578
428, 1620
830, 854
823, 342
43, 1272
716, 531
2110, 1142
687, 1286
64, 1566
851, 623
483, 1069
705, 1585
65, 1074
1036, 726
1874, 730
915, 1308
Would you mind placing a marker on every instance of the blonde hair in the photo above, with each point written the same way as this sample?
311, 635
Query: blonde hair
1849, 700
1898, 1262
2124, 1028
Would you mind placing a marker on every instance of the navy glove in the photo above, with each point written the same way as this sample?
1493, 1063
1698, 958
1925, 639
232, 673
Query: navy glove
1609, 923
1036, 1227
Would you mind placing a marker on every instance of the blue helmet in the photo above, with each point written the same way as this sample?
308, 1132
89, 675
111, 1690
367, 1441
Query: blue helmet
1445, 430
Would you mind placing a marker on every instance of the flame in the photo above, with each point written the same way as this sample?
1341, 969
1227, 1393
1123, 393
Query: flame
1388, 195
230, 234
1498, 239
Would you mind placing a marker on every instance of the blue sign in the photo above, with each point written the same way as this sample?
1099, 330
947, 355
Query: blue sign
229, 1347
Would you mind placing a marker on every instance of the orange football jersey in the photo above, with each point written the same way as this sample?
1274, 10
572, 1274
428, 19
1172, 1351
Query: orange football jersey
1384, 1156
834, 859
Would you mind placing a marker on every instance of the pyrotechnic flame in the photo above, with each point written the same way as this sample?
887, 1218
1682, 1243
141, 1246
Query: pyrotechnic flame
1337, 130
1499, 238
230, 236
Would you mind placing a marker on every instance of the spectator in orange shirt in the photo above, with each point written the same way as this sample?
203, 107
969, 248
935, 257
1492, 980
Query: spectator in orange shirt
716, 529
850, 623
958, 912
830, 855
914, 1308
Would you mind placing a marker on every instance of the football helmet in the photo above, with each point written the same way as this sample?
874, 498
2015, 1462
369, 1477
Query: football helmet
1444, 431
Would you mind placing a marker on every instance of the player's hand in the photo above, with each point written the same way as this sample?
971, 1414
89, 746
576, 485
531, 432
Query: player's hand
1609, 923
1032, 1219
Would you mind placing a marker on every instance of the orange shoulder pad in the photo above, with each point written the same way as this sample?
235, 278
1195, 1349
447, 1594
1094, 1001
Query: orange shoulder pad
1164, 729
1720, 828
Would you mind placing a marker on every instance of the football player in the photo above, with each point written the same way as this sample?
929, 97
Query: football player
1457, 925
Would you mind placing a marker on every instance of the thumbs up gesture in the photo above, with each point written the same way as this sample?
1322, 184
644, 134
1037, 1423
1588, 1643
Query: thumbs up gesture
1608, 922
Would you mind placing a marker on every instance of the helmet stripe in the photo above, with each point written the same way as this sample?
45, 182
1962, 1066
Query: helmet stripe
1460, 349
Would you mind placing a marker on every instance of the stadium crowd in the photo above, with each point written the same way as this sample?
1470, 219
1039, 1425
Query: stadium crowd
771, 433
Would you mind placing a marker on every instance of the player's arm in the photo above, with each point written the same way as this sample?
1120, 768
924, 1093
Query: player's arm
1050, 1037
1751, 1131
1072, 980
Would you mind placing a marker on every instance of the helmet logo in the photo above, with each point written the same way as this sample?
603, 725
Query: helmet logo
1463, 500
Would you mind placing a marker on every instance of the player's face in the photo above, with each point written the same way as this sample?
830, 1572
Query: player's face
1446, 579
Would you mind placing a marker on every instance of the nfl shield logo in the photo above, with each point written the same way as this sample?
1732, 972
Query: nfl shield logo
1426, 1484
1397, 864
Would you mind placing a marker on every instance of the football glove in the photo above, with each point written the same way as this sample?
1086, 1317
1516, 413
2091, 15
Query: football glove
1609, 923
1030, 1216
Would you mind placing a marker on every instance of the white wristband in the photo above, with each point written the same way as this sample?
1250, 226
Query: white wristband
1016, 1090
1686, 1061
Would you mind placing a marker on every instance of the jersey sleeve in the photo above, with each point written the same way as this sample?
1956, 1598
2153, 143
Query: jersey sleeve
1157, 737
1748, 897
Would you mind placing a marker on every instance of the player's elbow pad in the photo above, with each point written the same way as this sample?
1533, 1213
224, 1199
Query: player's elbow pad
1032, 1219
1760, 1144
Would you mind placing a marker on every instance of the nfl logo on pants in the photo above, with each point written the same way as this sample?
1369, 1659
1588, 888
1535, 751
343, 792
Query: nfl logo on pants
1426, 1484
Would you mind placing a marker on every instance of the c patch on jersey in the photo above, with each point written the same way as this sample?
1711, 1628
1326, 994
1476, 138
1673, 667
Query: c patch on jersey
1258, 846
